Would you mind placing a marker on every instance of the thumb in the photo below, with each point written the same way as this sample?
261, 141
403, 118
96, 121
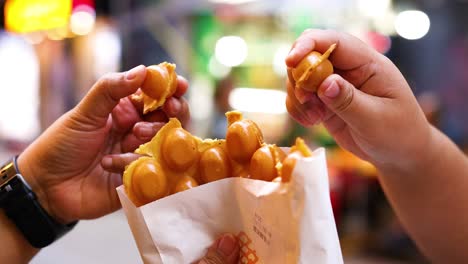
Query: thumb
108, 90
224, 251
342, 98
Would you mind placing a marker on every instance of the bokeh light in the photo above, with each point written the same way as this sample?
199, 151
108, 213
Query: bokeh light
412, 24
82, 20
19, 77
231, 51
374, 8
258, 100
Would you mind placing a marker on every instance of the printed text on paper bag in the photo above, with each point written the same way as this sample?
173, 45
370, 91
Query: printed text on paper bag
261, 230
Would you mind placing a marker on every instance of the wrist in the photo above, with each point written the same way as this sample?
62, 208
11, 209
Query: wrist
32, 175
416, 158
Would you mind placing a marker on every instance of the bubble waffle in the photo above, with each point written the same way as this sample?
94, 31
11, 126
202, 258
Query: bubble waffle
298, 151
174, 160
312, 70
159, 84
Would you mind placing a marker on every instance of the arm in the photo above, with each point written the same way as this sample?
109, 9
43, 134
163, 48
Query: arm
370, 110
76, 164
431, 199
15, 248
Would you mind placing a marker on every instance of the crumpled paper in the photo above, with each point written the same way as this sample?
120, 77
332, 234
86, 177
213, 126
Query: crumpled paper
275, 222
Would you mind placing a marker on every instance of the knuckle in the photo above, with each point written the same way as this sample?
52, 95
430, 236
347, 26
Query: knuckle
110, 79
103, 81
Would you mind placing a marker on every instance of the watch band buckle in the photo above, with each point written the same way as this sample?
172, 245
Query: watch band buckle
7, 173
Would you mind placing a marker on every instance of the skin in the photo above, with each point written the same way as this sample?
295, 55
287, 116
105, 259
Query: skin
76, 164
225, 250
370, 110
368, 107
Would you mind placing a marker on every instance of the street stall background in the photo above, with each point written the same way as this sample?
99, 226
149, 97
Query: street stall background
232, 52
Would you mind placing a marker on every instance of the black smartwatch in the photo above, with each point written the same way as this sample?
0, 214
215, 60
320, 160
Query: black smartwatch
22, 207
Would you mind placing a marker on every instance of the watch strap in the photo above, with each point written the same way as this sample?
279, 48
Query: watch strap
22, 207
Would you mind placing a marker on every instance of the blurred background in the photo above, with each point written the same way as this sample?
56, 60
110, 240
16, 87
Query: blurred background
232, 52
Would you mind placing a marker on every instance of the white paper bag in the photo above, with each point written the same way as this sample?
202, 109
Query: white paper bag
275, 222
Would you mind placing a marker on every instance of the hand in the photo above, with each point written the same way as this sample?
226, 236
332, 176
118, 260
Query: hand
368, 107
224, 251
66, 165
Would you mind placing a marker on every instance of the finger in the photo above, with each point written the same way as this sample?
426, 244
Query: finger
350, 52
303, 96
156, 116
177, 108
184, 113
291, 77
172, 107
295, 113
307, 114
117, 162
314, 107
181, 87
125, 115
224, 251
130, 142
301, 47
145, 131
108, 91
355, 107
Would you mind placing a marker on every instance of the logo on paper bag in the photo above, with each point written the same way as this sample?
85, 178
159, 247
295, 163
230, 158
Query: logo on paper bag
247, 253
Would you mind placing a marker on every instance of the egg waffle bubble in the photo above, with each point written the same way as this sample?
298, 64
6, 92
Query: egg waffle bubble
175, 160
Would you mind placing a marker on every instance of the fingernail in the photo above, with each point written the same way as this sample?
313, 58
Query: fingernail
227, 245
133, 73
332, 91
106, 162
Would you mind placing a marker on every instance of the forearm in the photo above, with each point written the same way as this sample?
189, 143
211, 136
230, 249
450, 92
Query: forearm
431, 199
14, 247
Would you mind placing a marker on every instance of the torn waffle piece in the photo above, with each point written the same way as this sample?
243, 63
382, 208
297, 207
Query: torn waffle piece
312, 70
160, 83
